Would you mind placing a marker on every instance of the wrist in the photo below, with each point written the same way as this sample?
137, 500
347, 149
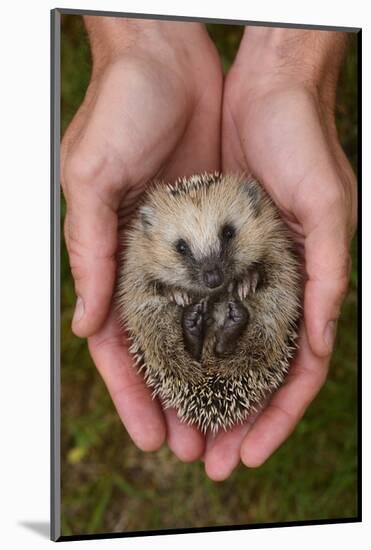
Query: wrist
273, 59
113, 37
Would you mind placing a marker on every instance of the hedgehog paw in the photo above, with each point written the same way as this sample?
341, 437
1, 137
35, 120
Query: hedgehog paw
247, 285
193, 324
234, 324
237, 315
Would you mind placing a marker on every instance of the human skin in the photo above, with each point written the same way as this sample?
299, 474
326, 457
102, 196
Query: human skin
279, 124
152, 109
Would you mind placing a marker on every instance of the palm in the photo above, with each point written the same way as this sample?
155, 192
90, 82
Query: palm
160, 132
281, 139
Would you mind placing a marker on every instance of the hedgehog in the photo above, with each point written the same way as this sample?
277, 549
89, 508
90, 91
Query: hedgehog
209, 294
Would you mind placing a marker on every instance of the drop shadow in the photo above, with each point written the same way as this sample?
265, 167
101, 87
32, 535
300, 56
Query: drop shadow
42, 528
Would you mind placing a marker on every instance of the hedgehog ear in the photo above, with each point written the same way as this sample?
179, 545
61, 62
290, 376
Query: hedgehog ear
255, 194
147, 217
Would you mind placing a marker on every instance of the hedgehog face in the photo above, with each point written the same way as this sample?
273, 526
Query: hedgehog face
203, 240
210, 267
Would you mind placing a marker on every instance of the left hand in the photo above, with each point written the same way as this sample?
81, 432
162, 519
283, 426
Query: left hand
148, 113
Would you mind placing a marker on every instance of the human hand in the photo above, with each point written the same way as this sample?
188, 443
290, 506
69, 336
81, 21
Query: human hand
152, 109
278, 124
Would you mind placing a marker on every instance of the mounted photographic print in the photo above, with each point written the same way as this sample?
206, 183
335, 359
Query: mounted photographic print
204, 193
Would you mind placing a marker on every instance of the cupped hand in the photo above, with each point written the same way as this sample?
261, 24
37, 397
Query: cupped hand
151, 110
282, 130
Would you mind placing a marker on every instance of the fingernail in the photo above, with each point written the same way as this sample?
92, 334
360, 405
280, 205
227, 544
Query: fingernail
79, 310
330, 332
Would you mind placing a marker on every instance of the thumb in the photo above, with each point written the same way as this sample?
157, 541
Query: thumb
91, 238
328, 266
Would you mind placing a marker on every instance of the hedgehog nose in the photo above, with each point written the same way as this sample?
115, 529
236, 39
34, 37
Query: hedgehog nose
213, 278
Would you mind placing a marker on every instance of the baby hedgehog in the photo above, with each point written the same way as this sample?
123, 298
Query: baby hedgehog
209, 291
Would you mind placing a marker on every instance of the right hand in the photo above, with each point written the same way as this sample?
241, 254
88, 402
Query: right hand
279, 125
151, 110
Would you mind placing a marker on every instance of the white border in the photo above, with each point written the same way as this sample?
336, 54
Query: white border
25, 230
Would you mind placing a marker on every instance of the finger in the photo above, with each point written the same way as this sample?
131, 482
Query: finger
91, 239
222, 454
186, 442
328, 266
286, 407
141, 415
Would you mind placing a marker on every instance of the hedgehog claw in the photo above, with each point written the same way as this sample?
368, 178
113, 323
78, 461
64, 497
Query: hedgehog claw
180, 298
247, 285
243, 289
254, 279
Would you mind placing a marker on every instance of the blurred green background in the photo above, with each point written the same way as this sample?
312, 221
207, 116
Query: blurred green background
108, 485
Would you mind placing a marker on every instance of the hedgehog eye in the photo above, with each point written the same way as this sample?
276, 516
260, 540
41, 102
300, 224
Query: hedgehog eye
182, 247
228, 232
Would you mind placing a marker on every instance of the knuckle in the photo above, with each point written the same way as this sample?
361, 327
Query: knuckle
78, 170
344, 262
97, 173
342, 286
77, 269
342, 280
341, 199
75, 253
335, 196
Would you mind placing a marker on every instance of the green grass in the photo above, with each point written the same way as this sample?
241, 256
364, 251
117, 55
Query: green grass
108, 485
